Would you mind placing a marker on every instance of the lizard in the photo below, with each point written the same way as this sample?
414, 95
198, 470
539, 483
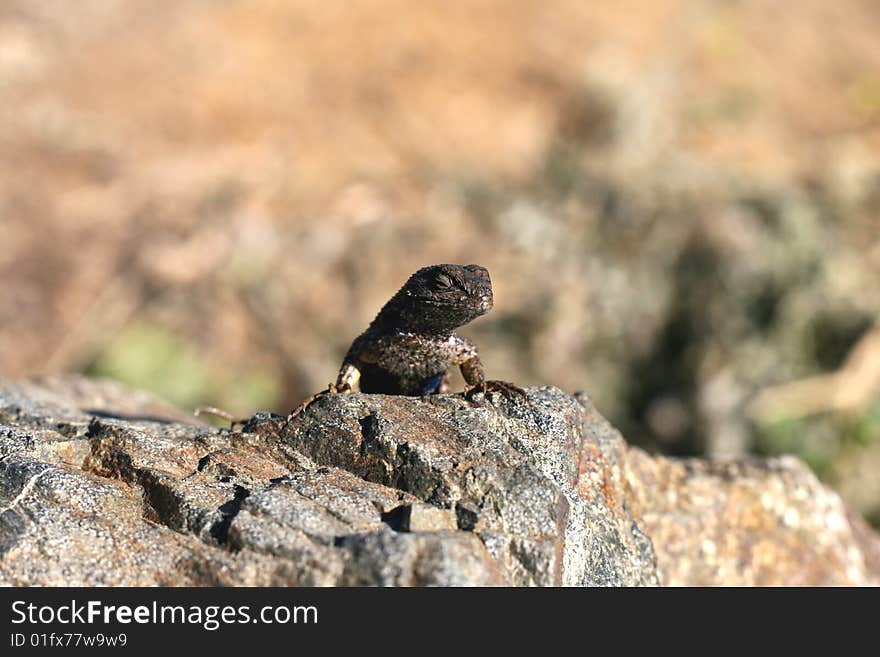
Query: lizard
409, 348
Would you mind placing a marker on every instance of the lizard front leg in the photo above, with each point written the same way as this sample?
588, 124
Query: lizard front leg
348, 376
359, 354
471, 368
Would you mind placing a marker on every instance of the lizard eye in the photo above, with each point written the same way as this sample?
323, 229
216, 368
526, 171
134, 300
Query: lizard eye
443, 282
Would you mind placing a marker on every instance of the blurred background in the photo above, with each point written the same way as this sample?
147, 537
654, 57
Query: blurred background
678, 201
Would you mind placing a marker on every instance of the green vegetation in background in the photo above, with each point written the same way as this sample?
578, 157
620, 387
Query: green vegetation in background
831, 444
150, 357
865, 431
813, 440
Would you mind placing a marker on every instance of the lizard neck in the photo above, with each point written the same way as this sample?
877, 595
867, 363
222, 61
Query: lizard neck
399, 316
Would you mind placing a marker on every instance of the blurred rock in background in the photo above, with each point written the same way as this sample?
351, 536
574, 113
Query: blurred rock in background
679, 203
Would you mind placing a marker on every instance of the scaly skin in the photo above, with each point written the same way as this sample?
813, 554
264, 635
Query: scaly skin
411, 345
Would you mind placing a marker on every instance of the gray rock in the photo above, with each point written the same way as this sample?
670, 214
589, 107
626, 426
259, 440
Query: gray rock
762, 522
521, 475
100, 485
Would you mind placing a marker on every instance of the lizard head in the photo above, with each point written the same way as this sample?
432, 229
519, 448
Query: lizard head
440, 298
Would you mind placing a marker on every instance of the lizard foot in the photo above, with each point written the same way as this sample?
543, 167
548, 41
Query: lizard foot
509, 390
210, 410
311, 399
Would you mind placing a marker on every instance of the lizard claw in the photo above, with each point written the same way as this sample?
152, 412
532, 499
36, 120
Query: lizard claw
311, 399
509, 390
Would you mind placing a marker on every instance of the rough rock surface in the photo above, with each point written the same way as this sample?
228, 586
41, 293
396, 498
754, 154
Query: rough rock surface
101, 485
760, 522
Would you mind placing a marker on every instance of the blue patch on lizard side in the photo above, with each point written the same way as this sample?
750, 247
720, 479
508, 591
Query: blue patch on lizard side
432, 385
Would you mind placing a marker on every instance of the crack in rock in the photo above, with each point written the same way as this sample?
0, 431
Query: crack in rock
388, 491
220, 529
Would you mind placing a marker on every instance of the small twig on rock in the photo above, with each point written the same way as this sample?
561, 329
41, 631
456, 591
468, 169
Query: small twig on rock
210, 410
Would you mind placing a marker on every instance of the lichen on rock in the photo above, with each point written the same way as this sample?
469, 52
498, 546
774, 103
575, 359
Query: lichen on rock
101, 485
